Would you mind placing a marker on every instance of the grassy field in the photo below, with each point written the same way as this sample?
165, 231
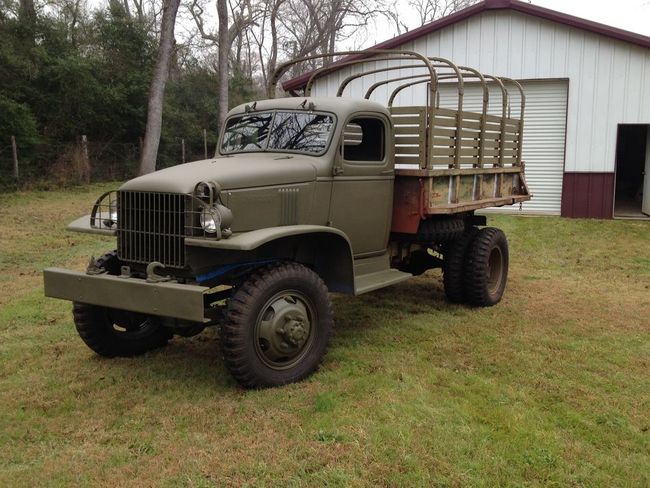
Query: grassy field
549, 388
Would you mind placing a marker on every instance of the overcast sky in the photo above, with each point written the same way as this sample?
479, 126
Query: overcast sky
631, 15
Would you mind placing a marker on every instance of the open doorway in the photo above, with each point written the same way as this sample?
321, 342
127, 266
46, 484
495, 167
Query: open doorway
632, 195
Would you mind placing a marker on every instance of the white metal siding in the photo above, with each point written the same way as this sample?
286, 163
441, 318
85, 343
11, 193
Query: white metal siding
610, 79
544, 130
543, 144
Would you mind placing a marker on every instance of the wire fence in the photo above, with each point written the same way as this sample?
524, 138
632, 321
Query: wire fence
54, 165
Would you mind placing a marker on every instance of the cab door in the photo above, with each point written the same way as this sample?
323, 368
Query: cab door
362, 191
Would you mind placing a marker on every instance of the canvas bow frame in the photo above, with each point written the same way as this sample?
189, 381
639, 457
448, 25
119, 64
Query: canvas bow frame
449, 138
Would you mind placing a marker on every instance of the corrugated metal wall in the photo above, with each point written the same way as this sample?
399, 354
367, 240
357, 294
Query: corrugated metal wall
609, 79
544, 131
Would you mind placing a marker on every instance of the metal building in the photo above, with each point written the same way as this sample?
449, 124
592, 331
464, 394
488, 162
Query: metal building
587, 132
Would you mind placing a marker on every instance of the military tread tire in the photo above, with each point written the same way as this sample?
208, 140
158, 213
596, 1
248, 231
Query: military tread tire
440, 230
99, 327
118, 333
453, 265
280, 309
110, 262
486, 268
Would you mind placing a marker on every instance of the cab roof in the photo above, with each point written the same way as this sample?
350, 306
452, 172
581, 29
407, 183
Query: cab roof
341, 106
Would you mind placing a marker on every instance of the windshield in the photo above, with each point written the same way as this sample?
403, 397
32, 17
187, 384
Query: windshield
278, 131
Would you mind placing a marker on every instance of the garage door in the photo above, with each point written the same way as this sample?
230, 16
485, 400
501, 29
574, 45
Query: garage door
544, 133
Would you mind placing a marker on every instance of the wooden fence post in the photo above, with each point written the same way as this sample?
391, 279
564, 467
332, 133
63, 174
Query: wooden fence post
14, 151
86, 160
183, 150
205, 143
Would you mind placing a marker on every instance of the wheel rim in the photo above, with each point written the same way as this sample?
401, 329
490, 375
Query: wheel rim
495, 270
130, 325
284, 331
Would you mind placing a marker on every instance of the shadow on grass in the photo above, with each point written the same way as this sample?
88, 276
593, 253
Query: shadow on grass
419, 295
196, 362
185, 364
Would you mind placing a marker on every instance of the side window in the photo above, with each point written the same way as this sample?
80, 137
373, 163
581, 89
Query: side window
364, 139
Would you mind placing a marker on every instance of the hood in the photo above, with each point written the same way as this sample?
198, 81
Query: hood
231, 172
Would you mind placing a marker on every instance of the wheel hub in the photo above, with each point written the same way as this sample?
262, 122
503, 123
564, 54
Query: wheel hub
283, 330
130, 325
293, 332
495, 270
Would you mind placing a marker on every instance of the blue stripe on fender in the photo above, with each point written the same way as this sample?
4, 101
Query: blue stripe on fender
210, 275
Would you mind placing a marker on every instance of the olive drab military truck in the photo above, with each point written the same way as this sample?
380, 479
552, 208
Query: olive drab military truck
306, 196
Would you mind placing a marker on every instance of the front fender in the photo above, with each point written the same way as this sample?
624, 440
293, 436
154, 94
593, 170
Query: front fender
325, 249
248, 241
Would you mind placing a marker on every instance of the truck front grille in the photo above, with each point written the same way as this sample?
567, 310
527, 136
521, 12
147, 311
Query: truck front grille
151, 227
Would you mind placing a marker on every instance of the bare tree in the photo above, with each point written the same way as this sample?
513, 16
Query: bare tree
229, 29
146, 12
157, 91
253, 36
429, 10
297, 28
268, 20
224, 50
345, 17
392, 13
71, 13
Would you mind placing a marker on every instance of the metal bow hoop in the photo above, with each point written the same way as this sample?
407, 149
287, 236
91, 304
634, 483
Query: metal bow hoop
429, 71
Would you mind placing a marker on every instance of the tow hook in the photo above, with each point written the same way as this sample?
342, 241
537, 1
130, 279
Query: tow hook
152, 277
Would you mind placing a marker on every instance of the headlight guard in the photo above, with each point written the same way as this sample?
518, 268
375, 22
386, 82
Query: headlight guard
213, 217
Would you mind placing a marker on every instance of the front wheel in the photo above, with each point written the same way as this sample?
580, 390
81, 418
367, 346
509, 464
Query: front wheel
111, 332
277, 326
486, 269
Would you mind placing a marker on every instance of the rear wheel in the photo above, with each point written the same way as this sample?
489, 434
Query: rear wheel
277, 326
453, 269
486, 268
440, 229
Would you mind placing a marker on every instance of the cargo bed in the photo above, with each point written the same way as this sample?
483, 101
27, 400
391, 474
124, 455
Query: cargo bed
447, 160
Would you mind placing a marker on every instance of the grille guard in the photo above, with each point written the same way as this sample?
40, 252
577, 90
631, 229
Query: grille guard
100, 216
153, 226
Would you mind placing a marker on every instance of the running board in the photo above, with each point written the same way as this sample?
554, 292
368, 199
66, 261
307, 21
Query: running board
373, 273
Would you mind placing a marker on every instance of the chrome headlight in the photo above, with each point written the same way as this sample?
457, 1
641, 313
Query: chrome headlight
216, 219
210, 220
112, 211
110, 214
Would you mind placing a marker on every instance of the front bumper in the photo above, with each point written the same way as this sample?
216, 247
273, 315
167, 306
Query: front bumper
165, 299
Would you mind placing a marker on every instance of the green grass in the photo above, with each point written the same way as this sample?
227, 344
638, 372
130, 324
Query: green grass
549, 388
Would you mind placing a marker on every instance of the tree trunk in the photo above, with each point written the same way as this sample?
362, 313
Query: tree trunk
157, 91
27, 15
27, 10
273, 55
224, 50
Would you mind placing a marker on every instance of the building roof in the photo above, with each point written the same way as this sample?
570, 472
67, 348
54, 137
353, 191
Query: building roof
486, 5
